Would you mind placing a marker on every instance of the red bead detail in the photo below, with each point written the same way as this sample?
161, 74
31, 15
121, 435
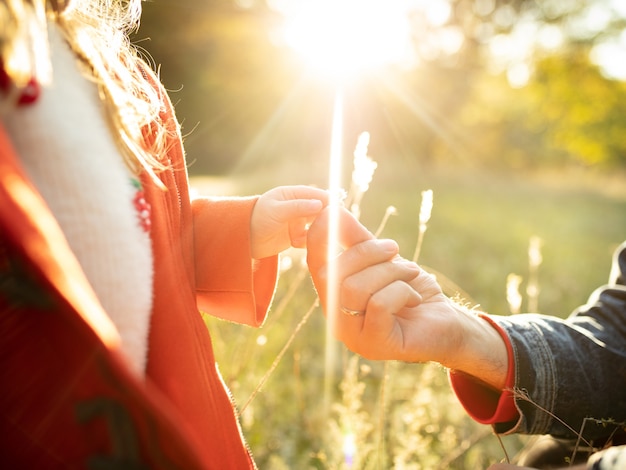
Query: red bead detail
5, 81
29, 93
143, 210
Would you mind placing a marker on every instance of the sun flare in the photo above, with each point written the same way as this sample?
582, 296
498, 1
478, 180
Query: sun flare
343, 38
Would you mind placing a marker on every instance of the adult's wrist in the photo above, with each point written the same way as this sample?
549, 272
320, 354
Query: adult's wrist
483, 352
485, 398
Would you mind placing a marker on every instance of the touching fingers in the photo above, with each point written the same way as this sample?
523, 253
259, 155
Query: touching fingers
303, 192
297, 209
357, 288
350, 233
390, 300
358, 271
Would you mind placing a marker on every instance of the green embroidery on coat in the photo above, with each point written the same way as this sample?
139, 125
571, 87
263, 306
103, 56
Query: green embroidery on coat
18, 286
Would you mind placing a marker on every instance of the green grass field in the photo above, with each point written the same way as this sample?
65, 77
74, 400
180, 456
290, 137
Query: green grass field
479, 232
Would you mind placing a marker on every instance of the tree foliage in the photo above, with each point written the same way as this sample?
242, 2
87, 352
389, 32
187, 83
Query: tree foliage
568, 114
582, 115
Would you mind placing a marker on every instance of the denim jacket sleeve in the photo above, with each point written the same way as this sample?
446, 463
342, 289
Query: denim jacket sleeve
571, 374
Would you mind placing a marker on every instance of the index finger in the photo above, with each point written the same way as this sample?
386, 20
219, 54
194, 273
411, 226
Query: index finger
303, 192
350, 232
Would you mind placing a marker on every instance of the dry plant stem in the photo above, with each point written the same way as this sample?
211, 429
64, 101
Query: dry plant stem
575, 451
582, 429
418, 246
425, 210
276, 314
355, 206
293, 288
383, 223
464, 447
382, 416
280, 355
579, 438
534, 261
520, 394
506, 454
350, 196
450, 288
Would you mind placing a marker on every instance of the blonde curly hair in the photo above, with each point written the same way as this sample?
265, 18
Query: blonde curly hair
98, 32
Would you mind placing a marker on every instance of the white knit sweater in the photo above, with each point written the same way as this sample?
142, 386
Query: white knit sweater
67, 148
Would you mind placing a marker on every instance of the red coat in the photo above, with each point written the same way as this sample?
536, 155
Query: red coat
67, 396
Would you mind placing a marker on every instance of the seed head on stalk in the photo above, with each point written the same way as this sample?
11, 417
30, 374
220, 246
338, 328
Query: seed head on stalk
362, 173
513, 296
391, 210
534, 261
425, 211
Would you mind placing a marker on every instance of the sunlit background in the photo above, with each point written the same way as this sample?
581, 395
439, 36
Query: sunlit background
421, 73
513, 112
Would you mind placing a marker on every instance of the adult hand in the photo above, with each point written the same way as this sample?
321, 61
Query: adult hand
281, 216
405, 315
393, 294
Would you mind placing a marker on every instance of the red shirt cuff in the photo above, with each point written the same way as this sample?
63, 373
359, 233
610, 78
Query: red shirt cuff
483, 403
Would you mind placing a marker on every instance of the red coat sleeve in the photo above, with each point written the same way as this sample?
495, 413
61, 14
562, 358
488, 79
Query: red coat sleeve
229, 284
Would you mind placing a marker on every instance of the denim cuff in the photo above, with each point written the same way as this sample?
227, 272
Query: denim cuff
535, 386
570, 374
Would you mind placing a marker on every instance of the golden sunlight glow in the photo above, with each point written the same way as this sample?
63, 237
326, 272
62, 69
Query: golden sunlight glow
342, 38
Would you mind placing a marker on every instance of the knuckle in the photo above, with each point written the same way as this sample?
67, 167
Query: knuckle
363, 249
376, 303
351, 286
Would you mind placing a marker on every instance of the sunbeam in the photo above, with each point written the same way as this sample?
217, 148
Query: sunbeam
334, 185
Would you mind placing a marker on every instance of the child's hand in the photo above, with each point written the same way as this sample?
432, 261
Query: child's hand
281, 217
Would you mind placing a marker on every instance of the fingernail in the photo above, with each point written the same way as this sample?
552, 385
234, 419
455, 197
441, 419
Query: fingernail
415, 299
408, 264
388, 245
313, 205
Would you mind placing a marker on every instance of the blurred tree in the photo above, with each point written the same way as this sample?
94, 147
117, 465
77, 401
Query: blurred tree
582, 116
213, 58
567, 114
